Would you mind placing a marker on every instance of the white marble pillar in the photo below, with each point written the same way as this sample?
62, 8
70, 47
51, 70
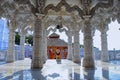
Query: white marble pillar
37, 62
70, 50
104, 46
88, 61
76, 47
45, 57
10, 57
22, 46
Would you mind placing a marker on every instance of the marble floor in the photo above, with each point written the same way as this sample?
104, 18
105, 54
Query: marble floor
59, 70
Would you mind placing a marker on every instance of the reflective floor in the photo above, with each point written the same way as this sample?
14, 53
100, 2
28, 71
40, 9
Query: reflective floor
59, 70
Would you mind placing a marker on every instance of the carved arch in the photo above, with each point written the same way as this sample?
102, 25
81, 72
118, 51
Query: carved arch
101, 5
67, 6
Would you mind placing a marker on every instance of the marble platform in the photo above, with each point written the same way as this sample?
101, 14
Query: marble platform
56, 70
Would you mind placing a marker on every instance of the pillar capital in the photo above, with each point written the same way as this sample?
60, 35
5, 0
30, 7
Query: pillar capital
76, 32
11, 24
87, 17
22, 31
39, 16
104, 30
103, 27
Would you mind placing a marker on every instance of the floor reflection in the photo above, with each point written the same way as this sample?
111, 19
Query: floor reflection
89, 74
105, 71
75, 73
55, 70
37, 75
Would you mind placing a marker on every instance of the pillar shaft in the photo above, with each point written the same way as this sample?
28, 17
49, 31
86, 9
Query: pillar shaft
10, 57
45, 46
104, 47
37, 46
22, 46
88, 61
76, 47
70, 51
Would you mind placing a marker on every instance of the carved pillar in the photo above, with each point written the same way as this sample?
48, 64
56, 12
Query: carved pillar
37, 62
44, 46
76, 47
22, 46
104, 46
88, 61
10, 57
70, 50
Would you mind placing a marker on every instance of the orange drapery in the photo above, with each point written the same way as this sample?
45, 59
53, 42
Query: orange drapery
55, 52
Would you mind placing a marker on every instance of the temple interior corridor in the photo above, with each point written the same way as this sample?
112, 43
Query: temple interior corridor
53, 70
37, 18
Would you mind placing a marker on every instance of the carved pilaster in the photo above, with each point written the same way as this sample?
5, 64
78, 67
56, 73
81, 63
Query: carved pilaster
88, 61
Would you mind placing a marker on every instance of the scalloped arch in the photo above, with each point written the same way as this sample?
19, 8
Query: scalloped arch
69, 9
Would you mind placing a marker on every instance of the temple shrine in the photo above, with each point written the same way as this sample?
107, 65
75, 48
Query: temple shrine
56, 47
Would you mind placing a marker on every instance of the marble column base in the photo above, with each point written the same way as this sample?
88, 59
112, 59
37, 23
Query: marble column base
104, 58
69, 58
36, 64
88, 63
21, 58
77, 60
10, 60
44, 60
